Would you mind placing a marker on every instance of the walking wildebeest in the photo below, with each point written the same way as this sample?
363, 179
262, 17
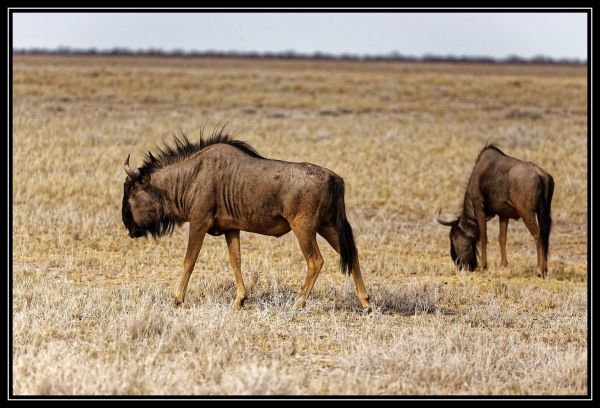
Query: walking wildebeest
223, 186
510, 188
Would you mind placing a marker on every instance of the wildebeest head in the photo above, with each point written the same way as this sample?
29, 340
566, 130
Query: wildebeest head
463, 247
143, 206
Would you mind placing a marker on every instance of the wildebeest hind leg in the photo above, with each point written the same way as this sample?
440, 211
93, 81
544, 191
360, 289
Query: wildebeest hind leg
331, 236
233, 244
532, 226
307, 238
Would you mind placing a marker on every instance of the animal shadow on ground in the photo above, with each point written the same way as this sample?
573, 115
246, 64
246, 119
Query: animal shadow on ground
409, 300
274, 296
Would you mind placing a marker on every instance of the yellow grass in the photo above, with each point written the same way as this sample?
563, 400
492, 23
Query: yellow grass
92, 311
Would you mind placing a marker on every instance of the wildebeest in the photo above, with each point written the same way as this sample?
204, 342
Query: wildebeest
223, 186
510, 188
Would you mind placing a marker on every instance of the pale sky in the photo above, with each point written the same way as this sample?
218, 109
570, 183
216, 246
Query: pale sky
497, 35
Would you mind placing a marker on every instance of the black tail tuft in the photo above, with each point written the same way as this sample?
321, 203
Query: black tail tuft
544, 212
348, 252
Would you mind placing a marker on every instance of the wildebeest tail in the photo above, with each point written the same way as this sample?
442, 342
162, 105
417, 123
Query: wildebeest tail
544, 212
348, 252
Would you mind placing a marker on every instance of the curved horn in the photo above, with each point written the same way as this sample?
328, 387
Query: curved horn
446, 220
131, 173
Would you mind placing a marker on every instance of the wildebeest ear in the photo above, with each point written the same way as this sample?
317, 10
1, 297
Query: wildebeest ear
146, 178
446, 220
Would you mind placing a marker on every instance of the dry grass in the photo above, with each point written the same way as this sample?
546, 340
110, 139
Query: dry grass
92, 310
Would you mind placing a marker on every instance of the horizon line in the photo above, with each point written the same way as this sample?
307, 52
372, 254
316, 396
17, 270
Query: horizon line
291, 54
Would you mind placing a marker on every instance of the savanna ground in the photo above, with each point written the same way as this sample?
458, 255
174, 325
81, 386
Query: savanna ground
92, 308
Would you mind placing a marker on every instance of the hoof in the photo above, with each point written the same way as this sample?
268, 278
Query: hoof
364, 303
177, 302
504, 264
239, 303
300, 304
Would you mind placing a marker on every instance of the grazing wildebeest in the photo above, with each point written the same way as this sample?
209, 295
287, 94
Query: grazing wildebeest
223, 186
510, 188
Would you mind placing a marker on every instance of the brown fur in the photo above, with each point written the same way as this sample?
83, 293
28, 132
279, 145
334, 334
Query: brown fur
222, 186
510, 188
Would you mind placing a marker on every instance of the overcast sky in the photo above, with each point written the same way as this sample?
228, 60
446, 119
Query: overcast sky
498, 35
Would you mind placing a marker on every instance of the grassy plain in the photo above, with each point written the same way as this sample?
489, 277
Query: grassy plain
92, 311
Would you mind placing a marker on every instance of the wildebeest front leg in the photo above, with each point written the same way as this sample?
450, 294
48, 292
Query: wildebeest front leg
331, 236
314, 261
482, 222
233, 244
196, 237
502, 241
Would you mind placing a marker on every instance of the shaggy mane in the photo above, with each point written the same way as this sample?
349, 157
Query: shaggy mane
492, 146
487, 146
184, 148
